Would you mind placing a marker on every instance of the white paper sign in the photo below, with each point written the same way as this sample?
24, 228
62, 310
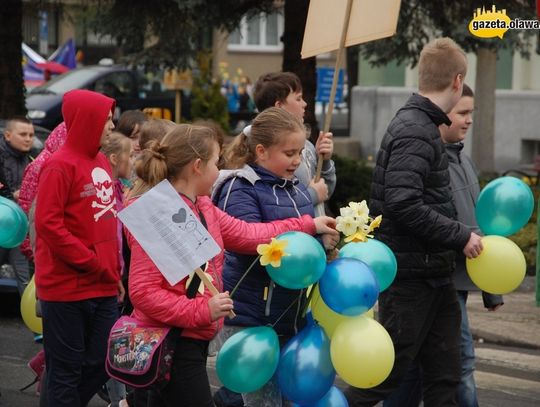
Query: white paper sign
169, 232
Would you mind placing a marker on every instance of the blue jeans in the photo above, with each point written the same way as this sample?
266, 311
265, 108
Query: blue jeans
467, 387
409, 393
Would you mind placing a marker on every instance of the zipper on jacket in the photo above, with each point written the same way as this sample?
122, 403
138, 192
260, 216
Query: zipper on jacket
269, 300
426, 258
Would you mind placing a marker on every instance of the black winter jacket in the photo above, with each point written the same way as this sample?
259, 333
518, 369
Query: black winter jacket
411, 189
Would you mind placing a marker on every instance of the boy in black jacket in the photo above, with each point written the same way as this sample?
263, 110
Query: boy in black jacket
411, 190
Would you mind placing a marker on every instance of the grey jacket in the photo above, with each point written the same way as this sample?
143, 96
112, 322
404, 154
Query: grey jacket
307, 169
465, 191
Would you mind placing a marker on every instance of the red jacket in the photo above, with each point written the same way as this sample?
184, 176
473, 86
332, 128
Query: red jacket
155, 301
76, 244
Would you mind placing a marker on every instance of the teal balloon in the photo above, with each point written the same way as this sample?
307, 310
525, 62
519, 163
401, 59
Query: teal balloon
305, 372
504, 206
304, 264
248, 359
13, 224
376, 255
334, 398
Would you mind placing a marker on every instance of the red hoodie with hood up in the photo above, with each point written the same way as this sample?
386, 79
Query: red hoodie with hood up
76, 245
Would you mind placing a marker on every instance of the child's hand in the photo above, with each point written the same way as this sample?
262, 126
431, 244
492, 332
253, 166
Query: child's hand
326, 224
121, 292
330, 241
320, 188
474, 247
220, 305
325, 145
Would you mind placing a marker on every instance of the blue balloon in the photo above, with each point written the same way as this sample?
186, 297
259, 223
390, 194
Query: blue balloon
305, 372
13, 224
304, 263
334, 398
349, 286
504, 206
376, 255
248, 359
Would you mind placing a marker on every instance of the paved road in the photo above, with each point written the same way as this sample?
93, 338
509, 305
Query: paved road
506, 376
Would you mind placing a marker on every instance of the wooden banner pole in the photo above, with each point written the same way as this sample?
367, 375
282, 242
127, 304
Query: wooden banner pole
211, 287
339, 58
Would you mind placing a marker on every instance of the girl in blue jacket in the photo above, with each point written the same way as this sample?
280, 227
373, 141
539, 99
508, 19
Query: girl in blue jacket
260, 186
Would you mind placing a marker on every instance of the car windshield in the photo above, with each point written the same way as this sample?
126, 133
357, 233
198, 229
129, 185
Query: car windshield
75, 79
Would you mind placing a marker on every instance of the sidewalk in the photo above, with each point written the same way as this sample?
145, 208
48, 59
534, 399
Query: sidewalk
516, 323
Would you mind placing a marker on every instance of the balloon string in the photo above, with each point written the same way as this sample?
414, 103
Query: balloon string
287, 310
243, 276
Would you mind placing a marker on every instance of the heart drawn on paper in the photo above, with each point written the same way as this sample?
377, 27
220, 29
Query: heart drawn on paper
179, 217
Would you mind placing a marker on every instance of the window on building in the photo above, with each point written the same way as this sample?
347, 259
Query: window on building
261, 32
530, 151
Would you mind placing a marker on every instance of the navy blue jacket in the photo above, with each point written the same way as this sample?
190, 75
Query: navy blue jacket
256, 195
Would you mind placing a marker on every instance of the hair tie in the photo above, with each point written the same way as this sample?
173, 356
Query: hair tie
247, 130
156, 150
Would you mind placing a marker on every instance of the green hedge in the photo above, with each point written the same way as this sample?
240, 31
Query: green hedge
353, 183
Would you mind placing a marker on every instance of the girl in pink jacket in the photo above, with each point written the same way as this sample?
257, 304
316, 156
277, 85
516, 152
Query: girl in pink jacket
188, 158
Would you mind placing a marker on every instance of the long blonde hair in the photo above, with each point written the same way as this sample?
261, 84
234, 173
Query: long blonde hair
116, 143
165, 159
268, 128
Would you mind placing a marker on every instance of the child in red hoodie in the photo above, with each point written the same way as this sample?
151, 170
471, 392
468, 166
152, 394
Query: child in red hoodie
188, 156
77, 267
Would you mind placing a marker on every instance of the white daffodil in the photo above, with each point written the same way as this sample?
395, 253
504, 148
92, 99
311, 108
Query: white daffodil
347, 225
360, 210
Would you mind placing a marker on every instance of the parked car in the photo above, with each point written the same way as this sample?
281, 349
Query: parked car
129, 87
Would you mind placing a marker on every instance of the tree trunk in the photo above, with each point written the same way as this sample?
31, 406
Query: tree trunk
483, 141
293, 35
11, 75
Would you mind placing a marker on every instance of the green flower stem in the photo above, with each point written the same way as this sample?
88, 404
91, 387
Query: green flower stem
243, 276
308, 301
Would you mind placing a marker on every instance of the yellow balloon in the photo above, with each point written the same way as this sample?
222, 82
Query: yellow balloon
325, 316
500, 268
362, 352
28, 308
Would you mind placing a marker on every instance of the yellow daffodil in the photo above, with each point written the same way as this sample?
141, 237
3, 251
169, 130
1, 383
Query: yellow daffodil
272, 252
347, 225
358, 236
375, 223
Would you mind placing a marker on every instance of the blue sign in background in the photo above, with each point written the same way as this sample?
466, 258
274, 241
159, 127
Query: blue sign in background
325, 76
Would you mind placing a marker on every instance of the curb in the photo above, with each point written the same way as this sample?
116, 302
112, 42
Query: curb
491, 338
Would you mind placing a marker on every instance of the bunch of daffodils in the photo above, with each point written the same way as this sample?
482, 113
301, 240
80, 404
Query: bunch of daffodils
355, 222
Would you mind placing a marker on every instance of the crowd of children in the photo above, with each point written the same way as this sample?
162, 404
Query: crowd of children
262, 184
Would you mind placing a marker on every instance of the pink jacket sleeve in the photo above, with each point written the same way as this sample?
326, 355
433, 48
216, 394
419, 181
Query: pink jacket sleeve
151, 294
243, 237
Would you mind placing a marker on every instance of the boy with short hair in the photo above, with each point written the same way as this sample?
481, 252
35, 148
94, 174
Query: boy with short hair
465, 190
77, 264
410, 189
15, 145
284, 90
